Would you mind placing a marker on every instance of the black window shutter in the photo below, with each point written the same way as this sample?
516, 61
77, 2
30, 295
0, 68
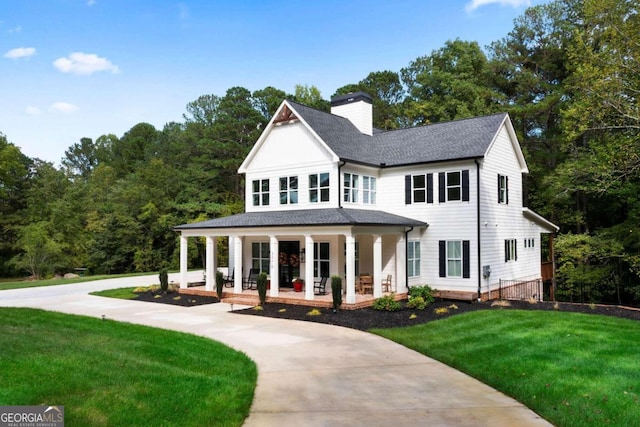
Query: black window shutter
499, 192
465, 185
441, 187
515, 250
466, 260
407, 189
442, 258
429, 188
506, 185
506, 250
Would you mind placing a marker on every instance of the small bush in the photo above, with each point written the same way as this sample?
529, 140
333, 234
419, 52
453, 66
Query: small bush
425, 292
314, 312
164, 280
336, 291
261, 284
417, 302
387, 303
219, 284
442, 310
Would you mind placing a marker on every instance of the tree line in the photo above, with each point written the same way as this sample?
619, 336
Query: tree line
568, 73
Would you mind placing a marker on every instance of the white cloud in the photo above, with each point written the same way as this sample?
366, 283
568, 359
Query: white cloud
32, 111
84, 64
475, 4
14, 30
20, 52
62, 107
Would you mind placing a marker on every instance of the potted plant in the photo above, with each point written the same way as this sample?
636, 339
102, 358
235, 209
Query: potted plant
297, 284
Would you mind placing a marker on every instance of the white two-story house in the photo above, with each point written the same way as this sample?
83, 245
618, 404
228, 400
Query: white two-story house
327, 194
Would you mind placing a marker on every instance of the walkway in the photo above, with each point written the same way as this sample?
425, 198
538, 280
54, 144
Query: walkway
309, 374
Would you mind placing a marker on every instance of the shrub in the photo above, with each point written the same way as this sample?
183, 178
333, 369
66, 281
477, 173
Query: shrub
422, 291
417, 302
336, 291
164, 280
314, 312
261, 284
219, 284
387, 303
442, 310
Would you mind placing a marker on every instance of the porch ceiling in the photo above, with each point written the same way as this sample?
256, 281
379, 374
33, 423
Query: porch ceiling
305, 218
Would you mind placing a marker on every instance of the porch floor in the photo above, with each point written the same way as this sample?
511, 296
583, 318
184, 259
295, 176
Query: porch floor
286, 296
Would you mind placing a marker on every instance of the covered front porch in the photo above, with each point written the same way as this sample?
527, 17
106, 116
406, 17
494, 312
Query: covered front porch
306, 245
286, 296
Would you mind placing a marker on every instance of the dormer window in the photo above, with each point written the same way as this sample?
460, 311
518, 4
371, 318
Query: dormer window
289, 190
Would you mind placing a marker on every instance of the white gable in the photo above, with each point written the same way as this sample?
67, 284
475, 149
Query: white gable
287, 143
507, 132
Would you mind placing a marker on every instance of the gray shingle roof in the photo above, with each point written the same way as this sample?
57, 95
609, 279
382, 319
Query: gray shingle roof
459, 139
306, 217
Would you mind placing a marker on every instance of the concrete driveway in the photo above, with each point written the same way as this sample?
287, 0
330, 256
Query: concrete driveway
309, 374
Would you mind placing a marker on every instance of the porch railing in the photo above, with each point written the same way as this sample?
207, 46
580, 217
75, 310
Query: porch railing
520, 289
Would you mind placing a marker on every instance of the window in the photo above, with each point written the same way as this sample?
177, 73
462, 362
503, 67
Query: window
454, 258
369, 190
529, 243
510, 250
453, 186
418, 188
319, 187
261, 192
289, 190
321, 256
260, 255
413, 258
351, 188
503, 189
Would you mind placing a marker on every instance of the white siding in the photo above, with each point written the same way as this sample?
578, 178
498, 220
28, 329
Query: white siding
501, 221
447, 221
290, 150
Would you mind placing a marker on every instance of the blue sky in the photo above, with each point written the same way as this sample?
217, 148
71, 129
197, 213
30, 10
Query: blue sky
84, 68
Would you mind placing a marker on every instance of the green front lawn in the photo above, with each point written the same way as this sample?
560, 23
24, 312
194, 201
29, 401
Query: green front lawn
110, 373
572, 369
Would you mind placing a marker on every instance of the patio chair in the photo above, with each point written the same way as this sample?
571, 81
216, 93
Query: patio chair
366, 284
251, 282
386, 284
229, 280
320, 287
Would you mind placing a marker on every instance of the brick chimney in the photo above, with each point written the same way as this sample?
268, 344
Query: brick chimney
357, 107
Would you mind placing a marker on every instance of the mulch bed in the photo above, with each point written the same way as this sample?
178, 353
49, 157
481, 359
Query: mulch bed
175, 298
367, 318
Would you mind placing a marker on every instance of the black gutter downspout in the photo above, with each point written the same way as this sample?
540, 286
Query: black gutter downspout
340, 182
406, 258
478, 228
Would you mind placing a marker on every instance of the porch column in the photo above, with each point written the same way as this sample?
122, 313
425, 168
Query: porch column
184, 252
237, 265
210, 263
401, 265
377, 266
308, 267
274, 265
351, 268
